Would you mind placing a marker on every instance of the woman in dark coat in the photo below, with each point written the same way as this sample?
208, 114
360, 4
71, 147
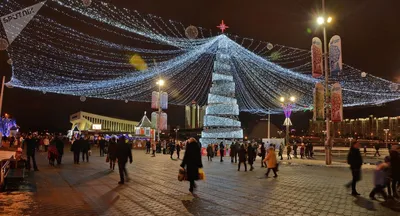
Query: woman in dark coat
242, 158
192, 162
210, 152
250, 154
355, 161
395, 170
263, 155
112, 153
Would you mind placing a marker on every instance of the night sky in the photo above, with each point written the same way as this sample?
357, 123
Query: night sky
369, 31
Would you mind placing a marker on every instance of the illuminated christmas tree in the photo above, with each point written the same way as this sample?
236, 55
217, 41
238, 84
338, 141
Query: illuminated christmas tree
221, 122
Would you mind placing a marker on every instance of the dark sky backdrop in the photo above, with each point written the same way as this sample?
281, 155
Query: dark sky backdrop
369, 30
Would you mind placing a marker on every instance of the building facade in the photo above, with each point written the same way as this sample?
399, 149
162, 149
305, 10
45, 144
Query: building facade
368, 128
194, 116
85, 121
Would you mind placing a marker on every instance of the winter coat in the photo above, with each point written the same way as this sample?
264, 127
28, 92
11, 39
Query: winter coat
178, 148
354, 158
289, 149
271, 159
250, 154
192, 161
30, 146
233, 150
77, 145
210, 151
171, 147
380, 174
263, 152
242, 154
112, 150
395, 164
59, 145
123, 151
85, 145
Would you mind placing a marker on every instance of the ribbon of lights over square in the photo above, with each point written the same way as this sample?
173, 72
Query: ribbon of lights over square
89, 50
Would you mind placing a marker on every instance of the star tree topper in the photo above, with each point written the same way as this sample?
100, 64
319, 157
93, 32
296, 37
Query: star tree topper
222, 26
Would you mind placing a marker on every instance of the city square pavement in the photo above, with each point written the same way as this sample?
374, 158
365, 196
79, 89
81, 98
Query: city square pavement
91, 189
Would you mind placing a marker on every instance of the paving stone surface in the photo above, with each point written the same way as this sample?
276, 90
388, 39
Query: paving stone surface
92, 189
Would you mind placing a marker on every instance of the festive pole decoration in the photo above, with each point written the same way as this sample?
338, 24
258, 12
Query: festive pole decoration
316, 57
270, 46
164, 100
335, 55
155, 100
336, 103
15, 22
163, 121
319, 98
287, 109
363, 74
222, 26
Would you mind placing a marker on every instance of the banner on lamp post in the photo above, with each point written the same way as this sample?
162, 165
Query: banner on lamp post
316, 56
319, 98
155, 100
335, 55
336, 103
164, 100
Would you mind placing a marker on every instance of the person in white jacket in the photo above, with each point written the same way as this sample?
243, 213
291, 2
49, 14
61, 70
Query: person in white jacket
46, 143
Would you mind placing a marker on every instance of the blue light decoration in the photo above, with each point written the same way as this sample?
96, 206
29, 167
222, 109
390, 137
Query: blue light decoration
53, 55
6, 124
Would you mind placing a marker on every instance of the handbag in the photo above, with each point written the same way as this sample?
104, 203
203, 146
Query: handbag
182, 174
202, 175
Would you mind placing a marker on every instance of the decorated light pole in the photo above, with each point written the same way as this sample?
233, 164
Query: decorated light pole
328, 104
159, 101
386, 136
287, 109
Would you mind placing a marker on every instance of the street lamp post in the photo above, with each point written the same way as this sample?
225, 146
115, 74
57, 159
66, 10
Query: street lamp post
287, 108
386, 136
160, 83
176, 132
328, 143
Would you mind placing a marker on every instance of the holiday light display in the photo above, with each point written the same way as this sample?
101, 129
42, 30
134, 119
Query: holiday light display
50, 55
221, 122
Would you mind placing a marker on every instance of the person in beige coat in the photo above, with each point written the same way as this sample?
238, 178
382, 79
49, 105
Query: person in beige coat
271, 162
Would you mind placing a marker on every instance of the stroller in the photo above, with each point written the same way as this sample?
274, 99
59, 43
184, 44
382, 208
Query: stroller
52, 154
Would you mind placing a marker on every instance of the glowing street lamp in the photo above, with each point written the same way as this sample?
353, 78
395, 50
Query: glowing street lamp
287, 109
160, 83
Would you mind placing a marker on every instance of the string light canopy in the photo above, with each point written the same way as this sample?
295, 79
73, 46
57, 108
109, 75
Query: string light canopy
74, 48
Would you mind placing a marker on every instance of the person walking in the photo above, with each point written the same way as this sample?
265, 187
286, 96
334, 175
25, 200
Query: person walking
365, 150
377, 146
250, 156
288, 151
311, 150
123, 153
280, 153
154, 147
192, 162
178, 150
355, 161
395, 169
46, 143
30, 152
232, 153
271, 162
380, 179
112, 152
210, 152
102, 144
221, 151
76, 148
295, 150
85, 147
171, 149
60, 148
263, 152
216, 150
148, 146
302, 150
307, 150
242, 158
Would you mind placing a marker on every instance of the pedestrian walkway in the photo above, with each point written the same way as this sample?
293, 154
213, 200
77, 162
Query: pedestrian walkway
91, 189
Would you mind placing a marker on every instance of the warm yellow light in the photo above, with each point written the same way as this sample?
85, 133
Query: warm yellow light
160, 82
292, 99
321, 20
282, 99
329, 20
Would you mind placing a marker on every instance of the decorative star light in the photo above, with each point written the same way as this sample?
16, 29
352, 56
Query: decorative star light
222, 26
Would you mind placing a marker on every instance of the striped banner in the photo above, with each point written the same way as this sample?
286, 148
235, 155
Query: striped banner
335, 55
319, 98
316, 56
336, 103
